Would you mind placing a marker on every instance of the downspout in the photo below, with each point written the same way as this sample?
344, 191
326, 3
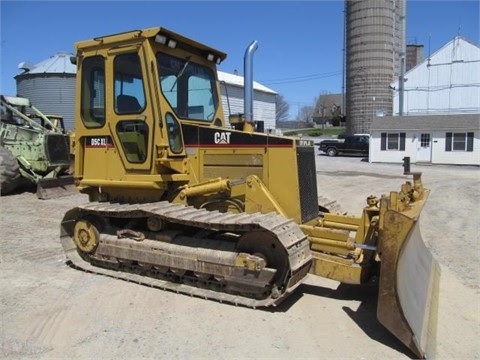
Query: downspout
248, 125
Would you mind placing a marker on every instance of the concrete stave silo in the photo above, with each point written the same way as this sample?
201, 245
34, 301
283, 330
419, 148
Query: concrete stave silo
374, 38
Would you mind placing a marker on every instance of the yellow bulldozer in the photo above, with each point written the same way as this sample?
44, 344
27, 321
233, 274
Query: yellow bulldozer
181, 199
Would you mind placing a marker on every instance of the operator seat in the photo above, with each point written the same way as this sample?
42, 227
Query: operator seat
128, 104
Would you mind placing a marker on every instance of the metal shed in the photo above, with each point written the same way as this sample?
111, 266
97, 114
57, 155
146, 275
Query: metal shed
264, 107
50, 86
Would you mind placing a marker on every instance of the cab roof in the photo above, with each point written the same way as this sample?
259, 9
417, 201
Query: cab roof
181, 40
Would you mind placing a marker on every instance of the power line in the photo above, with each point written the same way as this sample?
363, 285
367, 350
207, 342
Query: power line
301, 78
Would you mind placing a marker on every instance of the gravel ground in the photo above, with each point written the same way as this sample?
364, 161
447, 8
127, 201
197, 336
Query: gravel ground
51, 311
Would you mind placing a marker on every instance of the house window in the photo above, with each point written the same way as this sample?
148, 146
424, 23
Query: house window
393, 141
424, 140
459, 141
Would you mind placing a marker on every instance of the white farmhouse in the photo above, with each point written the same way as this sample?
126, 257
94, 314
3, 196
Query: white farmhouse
434, 139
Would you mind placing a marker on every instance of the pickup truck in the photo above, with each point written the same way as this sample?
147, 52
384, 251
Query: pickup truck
354, 145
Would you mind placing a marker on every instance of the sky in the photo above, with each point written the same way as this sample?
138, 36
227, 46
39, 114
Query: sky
300, 43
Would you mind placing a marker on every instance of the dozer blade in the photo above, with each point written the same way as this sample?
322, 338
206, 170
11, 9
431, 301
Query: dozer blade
52, 188
409, 282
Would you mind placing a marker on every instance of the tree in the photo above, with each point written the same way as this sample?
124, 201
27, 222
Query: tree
336, 112
281, 109
305, 113
328, 108
320, 107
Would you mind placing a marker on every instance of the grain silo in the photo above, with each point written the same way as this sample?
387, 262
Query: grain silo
50, 86
374, 37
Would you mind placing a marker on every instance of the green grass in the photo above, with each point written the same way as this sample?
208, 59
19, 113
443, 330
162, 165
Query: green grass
333, 131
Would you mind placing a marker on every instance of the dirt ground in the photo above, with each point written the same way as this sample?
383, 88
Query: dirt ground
51, 311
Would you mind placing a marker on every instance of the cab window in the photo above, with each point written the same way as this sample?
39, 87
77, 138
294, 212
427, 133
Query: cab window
133, 135
129, 89
92, 101
188, 87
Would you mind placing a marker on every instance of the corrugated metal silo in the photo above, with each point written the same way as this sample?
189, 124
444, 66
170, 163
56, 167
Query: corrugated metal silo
375, 34
50, 86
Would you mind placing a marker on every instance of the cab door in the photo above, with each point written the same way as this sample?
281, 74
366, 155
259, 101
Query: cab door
131, 120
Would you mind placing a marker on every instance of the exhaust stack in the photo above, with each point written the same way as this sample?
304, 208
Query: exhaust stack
248, 83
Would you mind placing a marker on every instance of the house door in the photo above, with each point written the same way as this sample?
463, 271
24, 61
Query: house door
424, 152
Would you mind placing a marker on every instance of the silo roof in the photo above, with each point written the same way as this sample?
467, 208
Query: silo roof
57, 64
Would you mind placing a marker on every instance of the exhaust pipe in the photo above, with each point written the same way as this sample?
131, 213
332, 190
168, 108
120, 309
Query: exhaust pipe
248, 82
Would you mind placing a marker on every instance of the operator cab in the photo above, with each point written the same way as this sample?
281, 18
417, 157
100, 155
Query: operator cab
157, 80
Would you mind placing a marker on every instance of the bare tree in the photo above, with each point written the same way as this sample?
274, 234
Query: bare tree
281, 109
327, 108
320, 107
305, 113
336, 112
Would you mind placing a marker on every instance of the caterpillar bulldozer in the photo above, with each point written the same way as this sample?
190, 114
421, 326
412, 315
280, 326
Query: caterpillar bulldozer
34, 147
181, 199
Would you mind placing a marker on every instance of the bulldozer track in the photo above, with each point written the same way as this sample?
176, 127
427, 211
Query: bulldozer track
287, 233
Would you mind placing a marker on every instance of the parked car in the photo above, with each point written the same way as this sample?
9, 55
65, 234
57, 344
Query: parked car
354, 145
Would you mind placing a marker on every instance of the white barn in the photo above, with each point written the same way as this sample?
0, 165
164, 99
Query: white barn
264, 107
434, 139
441, 112
447, 82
